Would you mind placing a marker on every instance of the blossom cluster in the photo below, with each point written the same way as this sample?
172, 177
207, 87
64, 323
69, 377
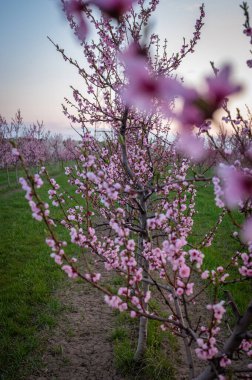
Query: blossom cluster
207, 346
247, 28
76, 12
34, 143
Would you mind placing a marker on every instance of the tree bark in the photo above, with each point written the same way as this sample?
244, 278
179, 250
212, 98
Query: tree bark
143, 235
17, 174
8, 176
143, 323
185, 337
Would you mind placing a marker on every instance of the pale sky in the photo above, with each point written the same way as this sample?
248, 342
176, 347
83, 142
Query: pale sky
34, 77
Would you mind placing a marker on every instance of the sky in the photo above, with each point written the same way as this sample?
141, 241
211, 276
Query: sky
35, 78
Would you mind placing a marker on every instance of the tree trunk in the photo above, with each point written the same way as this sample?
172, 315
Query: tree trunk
143, 235
17, 175
185, 337
143, 323
8, 176
142, 340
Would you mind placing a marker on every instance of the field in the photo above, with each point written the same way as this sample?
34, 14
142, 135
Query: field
29, 278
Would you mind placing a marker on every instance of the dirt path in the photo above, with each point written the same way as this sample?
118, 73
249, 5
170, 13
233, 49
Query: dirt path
81, 346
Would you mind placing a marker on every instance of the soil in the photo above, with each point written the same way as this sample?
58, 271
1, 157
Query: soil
81, 346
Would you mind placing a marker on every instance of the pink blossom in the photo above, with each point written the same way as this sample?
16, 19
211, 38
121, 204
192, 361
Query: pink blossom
127, 189
37, 181
36, 212
246, 231
205, 351
91, 231
225, 361
50, 242
115, 302
184, 271
191, 146
196, 256
191, 115
15, 152
218, 192
57, 258
76, 8
180, 291
144, 88
114, 8
96, 277
218, 310
69, 271
93, 277
223, 278
27, 188
246, 269
245, 345
135, 301
198, 107
123, 292
220, 86
189, 288
92, 177
237, 185
131, 245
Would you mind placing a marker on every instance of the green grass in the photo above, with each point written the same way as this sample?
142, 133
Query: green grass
160, 358
159, 364
159, 361
54, 169
28, 278
224, 246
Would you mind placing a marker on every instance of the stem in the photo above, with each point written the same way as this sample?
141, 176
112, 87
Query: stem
17, 174
143, 323
185, 337
232, 343
8, 176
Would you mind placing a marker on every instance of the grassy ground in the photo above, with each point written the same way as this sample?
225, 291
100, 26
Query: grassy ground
158, 363
28, 277
161, 357
224, 245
